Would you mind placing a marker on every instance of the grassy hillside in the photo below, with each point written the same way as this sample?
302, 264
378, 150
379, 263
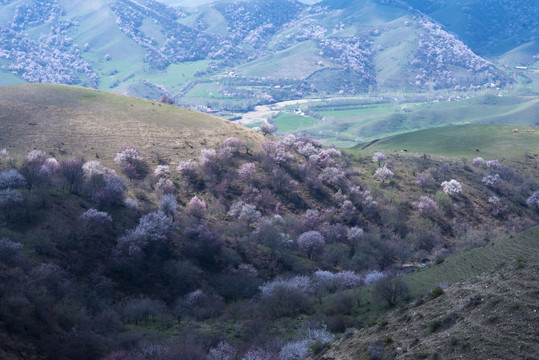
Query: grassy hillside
490, 316
522, 247
462, 141
66, 121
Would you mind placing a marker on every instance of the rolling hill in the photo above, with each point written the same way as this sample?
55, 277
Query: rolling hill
145, 48
66, 121
487, 316
254, 252
462, 141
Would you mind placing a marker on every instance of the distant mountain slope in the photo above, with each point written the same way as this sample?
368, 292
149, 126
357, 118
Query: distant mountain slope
145, 48
68, 121
490, 27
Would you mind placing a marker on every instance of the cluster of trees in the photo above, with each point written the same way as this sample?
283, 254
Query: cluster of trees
254, 238
183, 43
53, 59
262, 17
36, 13
439, 51
352, 53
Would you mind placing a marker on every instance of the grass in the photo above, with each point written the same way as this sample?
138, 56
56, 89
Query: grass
459, 267
462, 141
473, 262
287, 122
374, 121
68, 121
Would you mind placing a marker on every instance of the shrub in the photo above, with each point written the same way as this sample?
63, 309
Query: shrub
72, 174
244, 212
131, 163
425, 206
166, 98
246, 171
423, 180
452, 187
94, 217
154, 227
164, 187
382, 174
187, 169
111, 194
11, 179
223, 351
313, 341
259, 354
332, 176
378, 157
168, 205
312, 243
533, 200
267, 128
491, 180
494, 164
31, 169
390, 290
232, 143
196, 208
94, 168
478, 161
373, 277
161, 171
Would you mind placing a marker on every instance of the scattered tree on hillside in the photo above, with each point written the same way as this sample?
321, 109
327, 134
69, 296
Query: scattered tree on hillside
390, 290
11, 179
452, 187
266, 128
131, 163
382, 174
423, 180
168, 205
533, 200
166, 98
312, 243
72, 174
378, 157
425, 206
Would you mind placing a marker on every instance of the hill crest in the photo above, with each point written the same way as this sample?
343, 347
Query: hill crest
71, 121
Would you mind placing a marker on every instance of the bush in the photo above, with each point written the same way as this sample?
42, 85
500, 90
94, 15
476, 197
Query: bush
390, 290
286, 297
11, 179
71, 173
312, 243
452, 187
131, 163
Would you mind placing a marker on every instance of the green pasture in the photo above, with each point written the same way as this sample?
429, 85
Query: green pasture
290, 122
492, 141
